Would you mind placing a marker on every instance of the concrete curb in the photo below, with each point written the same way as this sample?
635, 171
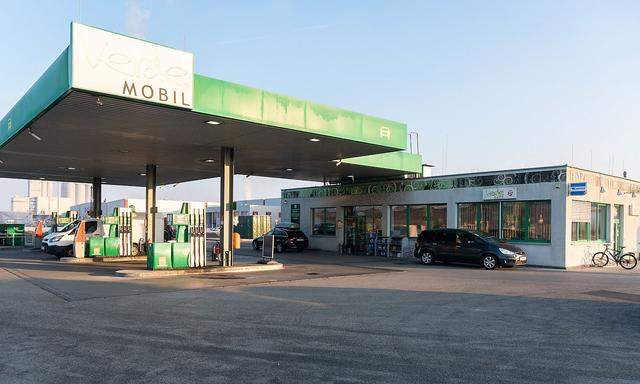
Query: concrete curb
245, 268
118, 259
76, 260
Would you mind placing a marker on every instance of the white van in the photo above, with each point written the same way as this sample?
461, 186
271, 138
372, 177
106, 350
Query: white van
44, 246
60, 243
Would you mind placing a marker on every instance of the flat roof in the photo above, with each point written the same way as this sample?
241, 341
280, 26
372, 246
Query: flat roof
556, 173
111, 104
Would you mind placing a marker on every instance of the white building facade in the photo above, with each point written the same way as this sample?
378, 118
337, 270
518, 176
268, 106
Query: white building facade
538, 209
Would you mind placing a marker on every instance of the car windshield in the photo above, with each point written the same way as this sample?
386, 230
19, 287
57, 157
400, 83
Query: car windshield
68, 226
486, 237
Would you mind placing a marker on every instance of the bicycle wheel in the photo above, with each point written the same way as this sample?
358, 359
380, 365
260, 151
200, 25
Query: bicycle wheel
628, 261
600, 259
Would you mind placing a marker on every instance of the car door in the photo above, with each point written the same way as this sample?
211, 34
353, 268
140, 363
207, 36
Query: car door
445, 243
280, 236
260, 240
468, 249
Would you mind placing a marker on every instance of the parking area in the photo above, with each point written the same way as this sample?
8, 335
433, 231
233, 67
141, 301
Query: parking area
324, 318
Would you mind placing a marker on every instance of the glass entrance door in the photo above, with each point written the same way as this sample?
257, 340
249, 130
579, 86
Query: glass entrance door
618, 213
360, 223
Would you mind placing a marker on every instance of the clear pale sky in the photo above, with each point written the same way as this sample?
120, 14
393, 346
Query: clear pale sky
493, 84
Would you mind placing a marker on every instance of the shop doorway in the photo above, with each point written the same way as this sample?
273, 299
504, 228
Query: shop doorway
618, 212
362, 224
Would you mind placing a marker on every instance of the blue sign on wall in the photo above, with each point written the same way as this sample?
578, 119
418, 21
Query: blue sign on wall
578, 189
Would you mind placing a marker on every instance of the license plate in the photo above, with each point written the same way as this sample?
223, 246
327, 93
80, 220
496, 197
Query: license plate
300, 240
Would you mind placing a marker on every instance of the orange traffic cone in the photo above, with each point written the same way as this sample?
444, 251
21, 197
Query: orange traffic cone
39, 229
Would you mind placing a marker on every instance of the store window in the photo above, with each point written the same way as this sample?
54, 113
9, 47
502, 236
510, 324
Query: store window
399, 217
411, 220
468, 216
417, 219
539, 220
490, 218
510, 220
324, 221
599, 221
437, 216
589, 221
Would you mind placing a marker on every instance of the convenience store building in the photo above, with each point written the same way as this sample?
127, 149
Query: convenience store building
559, 215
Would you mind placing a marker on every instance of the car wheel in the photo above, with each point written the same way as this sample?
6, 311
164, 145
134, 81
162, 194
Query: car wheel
489, 262
279, 248
426, 258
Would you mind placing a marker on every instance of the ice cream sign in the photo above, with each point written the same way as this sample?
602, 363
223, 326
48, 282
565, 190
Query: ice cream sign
502, 193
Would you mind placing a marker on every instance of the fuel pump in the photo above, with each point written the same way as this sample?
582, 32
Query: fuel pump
189, 227
118, 231
198, 234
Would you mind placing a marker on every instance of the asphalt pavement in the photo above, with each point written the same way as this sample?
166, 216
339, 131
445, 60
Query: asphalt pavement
323, 319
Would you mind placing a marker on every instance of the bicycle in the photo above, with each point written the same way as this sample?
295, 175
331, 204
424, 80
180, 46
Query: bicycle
626, 261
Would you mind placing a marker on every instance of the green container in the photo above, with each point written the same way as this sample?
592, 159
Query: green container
180, 255
111, 246
12, 235
250, 227
159, 256
96, 246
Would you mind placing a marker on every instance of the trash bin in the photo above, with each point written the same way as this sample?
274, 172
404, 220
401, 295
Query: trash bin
159, 256
180, 255
236, 240
111, 246
96, 246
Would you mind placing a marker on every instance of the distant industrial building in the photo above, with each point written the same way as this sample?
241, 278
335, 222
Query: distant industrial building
138, 205
44, 197
269, 207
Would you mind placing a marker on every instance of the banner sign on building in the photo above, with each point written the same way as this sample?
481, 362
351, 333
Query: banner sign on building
118, 65
295, 213
578, 189
499, 193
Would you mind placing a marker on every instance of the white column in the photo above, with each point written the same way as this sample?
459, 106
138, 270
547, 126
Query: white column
150, 205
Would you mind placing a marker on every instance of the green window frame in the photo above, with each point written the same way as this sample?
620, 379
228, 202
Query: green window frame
404, 213
596, 229
513, 220
323, 221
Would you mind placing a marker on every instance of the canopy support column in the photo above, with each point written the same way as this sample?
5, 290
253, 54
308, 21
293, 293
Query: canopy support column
150, 205
226, 205
96, 197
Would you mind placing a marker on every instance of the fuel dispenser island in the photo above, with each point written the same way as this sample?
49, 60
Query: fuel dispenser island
188, 250
118, 235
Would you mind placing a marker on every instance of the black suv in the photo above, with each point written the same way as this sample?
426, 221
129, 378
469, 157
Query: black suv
461, 246
284, 239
